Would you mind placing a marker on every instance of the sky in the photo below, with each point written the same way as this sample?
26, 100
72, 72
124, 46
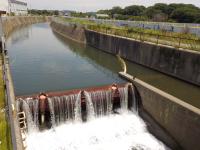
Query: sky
94, 5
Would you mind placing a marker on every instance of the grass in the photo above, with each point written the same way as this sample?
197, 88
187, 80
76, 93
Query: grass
177, 40
5, 137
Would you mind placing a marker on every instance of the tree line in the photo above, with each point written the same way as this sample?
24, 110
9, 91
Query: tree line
183, 13
43, 12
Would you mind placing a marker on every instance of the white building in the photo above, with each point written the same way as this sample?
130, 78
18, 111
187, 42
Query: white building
4, 7
102, 16
17, 7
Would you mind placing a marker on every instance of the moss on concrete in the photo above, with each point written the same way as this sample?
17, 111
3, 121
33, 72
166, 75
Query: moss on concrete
5, 136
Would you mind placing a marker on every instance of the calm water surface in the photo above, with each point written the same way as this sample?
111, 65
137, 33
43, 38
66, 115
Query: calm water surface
44, 61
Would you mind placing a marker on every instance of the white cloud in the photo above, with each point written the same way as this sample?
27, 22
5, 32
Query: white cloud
92, 5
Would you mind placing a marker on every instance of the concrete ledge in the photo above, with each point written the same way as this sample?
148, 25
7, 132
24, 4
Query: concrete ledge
179, 119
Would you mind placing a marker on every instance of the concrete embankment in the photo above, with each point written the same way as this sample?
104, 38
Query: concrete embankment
181, 64
178, 119
11, 23
70, 31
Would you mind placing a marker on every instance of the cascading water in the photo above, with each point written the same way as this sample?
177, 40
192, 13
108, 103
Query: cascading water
124, 130
78, 108
102, 102
123, 92
89, 106
29, 106
70, 108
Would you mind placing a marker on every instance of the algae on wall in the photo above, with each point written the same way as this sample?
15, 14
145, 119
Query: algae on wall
10, 23
73, 32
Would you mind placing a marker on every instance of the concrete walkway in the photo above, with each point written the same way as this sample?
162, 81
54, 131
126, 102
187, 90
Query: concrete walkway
1, 28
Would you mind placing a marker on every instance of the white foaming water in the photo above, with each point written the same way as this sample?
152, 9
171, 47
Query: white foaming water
115, 132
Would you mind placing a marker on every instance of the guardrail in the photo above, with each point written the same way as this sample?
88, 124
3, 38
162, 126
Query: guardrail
174, 41
9, 103
177, 27
180, 41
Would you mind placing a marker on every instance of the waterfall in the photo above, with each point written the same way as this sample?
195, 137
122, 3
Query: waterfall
102, 101
84, 106
134, 99
51, 107
123, 92
90, 107
30, 107
78, 108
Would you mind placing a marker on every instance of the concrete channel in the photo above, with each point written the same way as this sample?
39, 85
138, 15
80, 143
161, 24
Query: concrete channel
180, 121
172, 120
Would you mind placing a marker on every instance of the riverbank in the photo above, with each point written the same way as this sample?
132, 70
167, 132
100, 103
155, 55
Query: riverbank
172, 111
11, 23
182, 64
163, 37
5, 135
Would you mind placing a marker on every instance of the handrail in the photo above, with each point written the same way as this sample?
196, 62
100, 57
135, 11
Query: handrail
178, 42
7, 95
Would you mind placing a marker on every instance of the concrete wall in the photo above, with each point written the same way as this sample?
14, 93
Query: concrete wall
170, 119
73, 32
11, 23
182, 64
179, 119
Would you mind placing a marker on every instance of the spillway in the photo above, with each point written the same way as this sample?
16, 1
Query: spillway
104, 118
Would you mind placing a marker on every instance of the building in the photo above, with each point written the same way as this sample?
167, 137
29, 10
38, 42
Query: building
4, 8
14, 7
102, 16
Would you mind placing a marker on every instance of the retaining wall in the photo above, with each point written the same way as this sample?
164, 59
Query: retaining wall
179, 119
181, 64
10, 23
71, 31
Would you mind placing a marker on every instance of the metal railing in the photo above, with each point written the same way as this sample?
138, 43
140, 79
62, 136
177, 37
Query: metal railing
9, 103
168, 40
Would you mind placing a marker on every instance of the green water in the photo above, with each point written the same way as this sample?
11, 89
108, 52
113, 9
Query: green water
42, 60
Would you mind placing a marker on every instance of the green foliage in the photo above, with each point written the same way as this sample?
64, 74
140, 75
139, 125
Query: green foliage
43, 12
116, 10
134, 10
5, 136
187, 13
162, 36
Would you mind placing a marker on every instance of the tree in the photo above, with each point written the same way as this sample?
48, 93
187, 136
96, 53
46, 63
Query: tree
134, 10
164, 8
151, 12
116, 10
185, 14
56, 12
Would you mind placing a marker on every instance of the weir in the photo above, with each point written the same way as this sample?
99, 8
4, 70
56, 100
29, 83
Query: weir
73, 111
49, 110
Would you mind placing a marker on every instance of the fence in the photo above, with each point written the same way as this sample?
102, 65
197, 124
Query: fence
174, 41
8, 98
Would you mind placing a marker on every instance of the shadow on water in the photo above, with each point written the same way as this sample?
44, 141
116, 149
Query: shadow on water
185, 91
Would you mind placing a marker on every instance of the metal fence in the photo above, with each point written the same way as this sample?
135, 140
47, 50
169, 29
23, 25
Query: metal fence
169, 40
174, 27
9, 103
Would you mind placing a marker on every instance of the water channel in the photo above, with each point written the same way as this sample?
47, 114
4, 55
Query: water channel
42, 60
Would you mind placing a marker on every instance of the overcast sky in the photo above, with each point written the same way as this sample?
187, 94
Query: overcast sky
93, 5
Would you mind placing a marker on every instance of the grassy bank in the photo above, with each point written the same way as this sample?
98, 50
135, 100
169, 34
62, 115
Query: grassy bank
177, 40
5, 137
